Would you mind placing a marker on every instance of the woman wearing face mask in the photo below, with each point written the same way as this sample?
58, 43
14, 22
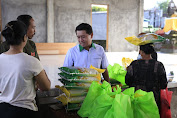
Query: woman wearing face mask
17, 70
147, 74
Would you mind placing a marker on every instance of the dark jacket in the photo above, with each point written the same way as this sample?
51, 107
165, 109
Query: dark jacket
147, 75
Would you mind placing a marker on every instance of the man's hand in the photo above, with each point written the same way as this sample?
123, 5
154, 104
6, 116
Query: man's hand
106, 75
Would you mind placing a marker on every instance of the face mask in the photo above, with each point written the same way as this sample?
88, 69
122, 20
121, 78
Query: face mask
139, 57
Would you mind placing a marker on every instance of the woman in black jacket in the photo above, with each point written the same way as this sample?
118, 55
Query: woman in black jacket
147, 73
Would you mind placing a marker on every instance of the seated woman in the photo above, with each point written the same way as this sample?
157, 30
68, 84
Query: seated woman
17, 69
147, 74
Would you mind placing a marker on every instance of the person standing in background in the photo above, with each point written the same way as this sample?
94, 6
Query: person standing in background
30, 47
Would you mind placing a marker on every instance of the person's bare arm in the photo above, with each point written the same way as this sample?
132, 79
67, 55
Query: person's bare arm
106, 75
43, 81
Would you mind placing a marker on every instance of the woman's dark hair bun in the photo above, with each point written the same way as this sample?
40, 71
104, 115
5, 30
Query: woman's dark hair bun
8, 32
148, 48
14, 32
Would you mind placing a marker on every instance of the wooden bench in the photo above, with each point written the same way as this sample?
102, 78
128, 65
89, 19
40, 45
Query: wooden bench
53, 48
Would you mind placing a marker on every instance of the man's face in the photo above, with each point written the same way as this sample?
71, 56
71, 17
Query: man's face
31, 29
84, 39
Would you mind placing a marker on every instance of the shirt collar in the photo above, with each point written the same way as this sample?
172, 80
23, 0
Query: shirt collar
81, 48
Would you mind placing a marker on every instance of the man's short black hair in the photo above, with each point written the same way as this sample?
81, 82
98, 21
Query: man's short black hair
25, 19
84, 26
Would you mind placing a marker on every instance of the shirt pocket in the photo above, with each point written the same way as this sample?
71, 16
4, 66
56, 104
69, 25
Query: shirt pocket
96, 61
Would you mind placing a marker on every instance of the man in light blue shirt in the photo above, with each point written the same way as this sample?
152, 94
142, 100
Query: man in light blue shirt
86, 53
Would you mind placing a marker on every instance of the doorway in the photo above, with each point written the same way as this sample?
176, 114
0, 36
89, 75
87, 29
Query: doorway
0, 24
99, 21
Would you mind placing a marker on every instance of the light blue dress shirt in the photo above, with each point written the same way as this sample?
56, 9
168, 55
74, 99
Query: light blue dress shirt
79, 57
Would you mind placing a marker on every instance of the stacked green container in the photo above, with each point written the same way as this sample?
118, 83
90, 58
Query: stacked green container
76, 83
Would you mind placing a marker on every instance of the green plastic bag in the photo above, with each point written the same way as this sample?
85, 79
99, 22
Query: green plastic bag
117, 72
130, 92
76, 78
144, 105
67, 83
112, 105
100, 106
95, 90
121, 107
76, 71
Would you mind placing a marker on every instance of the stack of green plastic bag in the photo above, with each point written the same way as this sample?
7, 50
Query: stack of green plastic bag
76, 82
101, 102
117, 72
